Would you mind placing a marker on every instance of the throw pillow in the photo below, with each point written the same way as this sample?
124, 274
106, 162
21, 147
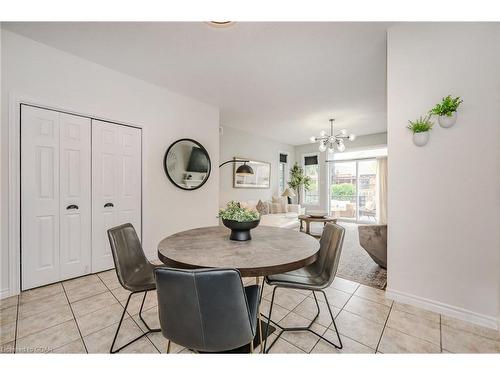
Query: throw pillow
282, 201
278, 208
263, 208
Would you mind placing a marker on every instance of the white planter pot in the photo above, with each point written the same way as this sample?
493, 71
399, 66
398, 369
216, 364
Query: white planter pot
447, 121
421, 139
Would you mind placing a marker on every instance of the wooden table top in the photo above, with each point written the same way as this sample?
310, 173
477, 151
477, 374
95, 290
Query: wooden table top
318, 219
270, 251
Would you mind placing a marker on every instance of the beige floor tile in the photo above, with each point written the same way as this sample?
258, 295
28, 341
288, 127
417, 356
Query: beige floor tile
287, 298
348, 345
86, 291
335, 297
7, 332
136, 300
417, 311
278, 312
8, 302
415, 326
100, 341
284, 347
470, 327
47, 305
394, 341
7, 348
49, 339
107, 275
74, 347
160, 343
42, 321
308, 309
41, 292
345, 285
91, 304
8, 315
457, 341
141, 346
151, 318
368, 309
304, 340
121, 294
372, 294
359, 329
80, 282
99, 319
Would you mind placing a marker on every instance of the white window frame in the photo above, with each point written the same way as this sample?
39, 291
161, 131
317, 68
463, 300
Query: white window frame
287, 169
303, 192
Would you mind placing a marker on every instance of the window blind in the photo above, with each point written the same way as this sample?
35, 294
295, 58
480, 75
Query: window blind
311, 160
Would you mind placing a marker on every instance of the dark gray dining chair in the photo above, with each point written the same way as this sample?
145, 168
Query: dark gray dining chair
134, 271
315, 277
206, 310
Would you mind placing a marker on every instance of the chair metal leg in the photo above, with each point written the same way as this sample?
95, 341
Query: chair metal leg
251, 347
112, 350
168, 347
142, 319
308, 328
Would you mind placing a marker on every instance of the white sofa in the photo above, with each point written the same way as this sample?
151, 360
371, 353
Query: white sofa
287, 220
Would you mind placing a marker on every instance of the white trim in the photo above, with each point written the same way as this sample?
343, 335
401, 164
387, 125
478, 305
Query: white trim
287, 170
318, 154
443, 308
14, 214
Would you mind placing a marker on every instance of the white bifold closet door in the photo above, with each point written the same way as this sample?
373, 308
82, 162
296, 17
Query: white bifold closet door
116, 185
55, 196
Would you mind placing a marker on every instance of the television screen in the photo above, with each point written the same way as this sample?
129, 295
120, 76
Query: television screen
198, 161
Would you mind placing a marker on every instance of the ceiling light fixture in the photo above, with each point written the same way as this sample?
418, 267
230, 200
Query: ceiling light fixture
333, 140
220, 24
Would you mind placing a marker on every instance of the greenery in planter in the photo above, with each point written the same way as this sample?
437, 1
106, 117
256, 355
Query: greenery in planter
447, 106
234, 211
298, 180
343, 192
423, 124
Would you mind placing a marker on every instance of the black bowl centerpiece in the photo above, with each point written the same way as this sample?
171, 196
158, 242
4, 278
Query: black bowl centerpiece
240, 220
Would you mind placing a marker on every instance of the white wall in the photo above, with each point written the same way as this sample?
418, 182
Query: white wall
234, 142
444, 198
38, 71
361, 142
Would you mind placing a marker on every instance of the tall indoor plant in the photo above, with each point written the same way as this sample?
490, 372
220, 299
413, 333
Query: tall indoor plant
298, 180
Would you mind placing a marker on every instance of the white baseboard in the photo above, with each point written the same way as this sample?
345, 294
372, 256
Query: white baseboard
443, 308
6, 293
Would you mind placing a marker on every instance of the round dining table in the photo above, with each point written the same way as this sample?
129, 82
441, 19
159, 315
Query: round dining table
270, 251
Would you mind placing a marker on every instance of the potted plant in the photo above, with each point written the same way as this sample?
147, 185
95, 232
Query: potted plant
447, 111
420, 129
298, 180
239, 220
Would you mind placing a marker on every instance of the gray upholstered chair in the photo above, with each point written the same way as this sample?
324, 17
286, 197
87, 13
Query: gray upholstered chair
134, 271
315, 277
373, 238
206, 310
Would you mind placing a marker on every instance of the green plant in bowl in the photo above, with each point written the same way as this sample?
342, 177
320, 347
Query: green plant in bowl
447, 107
422, 124
235, 212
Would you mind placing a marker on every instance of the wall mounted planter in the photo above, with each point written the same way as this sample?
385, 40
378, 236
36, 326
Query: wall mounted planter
447, 121
421, 139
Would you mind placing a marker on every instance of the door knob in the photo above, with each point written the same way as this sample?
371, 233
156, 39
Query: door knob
72, 207
109, 205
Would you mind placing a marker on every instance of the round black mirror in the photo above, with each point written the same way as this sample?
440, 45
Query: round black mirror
187, 164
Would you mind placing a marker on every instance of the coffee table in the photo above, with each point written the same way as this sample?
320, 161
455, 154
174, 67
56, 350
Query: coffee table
309, 219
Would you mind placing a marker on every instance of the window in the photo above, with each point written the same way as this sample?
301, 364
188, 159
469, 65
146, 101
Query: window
282, 172
311, 170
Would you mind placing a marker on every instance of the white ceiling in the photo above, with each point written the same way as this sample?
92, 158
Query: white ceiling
280, 80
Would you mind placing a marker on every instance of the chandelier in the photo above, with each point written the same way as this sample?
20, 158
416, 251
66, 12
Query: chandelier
333, 140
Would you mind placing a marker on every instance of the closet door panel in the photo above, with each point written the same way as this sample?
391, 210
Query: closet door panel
106, 181
39, 197
75, 192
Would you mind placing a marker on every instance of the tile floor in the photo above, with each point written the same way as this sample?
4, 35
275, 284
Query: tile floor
81, 316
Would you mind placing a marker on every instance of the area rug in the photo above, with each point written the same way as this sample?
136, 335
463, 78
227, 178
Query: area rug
355, 264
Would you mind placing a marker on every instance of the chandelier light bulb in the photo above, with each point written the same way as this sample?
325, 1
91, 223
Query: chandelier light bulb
352, 137
341, 146
312, 139
322, 147
343, 132
322, 133
331, 147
